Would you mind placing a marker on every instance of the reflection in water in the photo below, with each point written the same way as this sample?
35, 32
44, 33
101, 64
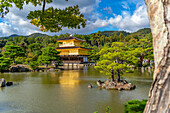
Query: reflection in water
66, 91
50, 78
17, 77
2, 88
69, 78
72, 67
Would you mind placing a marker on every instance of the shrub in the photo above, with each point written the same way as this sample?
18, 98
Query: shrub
135, 106
33, 65
108, 110
129, 71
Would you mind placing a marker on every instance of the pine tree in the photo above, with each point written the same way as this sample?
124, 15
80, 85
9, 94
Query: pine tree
13, 51
4, 63
115, 59
49, 54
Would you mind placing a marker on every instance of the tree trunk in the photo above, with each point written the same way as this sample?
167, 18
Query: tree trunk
98, 43
112, 77
159, 16
13, 60
43, 8
141, 61
149, 62
118, 74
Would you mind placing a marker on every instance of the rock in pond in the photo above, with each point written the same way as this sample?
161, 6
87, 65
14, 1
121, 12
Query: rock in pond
99, 83
121, 85
90, 86
19, 68
2, 82
9, 83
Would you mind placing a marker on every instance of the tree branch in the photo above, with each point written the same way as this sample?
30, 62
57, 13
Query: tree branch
43, 8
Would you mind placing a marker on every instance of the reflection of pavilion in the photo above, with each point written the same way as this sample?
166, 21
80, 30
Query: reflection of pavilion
72, 67
69, 78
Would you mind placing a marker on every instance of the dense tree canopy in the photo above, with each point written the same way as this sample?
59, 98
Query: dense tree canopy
33, 46
34, 65
49, 54
115, 59
4, 63
13, 51
144, 50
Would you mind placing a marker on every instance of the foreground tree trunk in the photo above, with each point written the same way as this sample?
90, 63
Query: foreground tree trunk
159, 16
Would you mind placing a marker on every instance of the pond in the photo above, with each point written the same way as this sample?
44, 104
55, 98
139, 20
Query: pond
67, 92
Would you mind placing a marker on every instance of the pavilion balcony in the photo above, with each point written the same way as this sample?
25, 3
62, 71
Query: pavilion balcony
72, 61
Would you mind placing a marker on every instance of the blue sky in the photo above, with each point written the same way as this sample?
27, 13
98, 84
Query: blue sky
111, 8
127, 15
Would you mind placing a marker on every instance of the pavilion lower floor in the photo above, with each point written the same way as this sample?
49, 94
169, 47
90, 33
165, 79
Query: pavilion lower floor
77, 59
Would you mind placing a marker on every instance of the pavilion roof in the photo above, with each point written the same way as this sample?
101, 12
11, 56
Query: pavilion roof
72, 47
71, 38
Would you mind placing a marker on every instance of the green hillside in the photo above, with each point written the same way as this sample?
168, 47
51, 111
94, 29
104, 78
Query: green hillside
142, 32
113, 33
37, 35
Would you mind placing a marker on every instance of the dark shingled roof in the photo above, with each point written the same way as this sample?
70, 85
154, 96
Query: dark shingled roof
70, 38
72, 47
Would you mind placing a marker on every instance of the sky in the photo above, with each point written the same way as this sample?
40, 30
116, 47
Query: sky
103, 15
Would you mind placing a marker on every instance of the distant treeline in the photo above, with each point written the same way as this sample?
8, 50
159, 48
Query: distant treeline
32, 46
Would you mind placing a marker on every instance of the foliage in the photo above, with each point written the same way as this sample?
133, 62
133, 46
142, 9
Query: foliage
55, 19
4, 63
135, 106
144, 49
94, 56
96, 38
115, 59
20, 60
121, 37
108, 110
113, 33
49, 19
13, 51
129, 71
49, 54
34, 65
142, 32
138, 45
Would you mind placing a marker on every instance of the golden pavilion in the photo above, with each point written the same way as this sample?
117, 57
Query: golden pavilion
71, 50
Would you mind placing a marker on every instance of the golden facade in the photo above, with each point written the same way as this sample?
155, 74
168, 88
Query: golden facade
71, 50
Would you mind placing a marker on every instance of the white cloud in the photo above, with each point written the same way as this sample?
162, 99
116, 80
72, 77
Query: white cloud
116, 20
22, 25
139, 19
97, 2
125, 5
100, 23
108, 9
17, 23
87, 10
6, 28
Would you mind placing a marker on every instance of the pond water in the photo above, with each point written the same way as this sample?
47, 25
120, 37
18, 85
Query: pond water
66, 92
